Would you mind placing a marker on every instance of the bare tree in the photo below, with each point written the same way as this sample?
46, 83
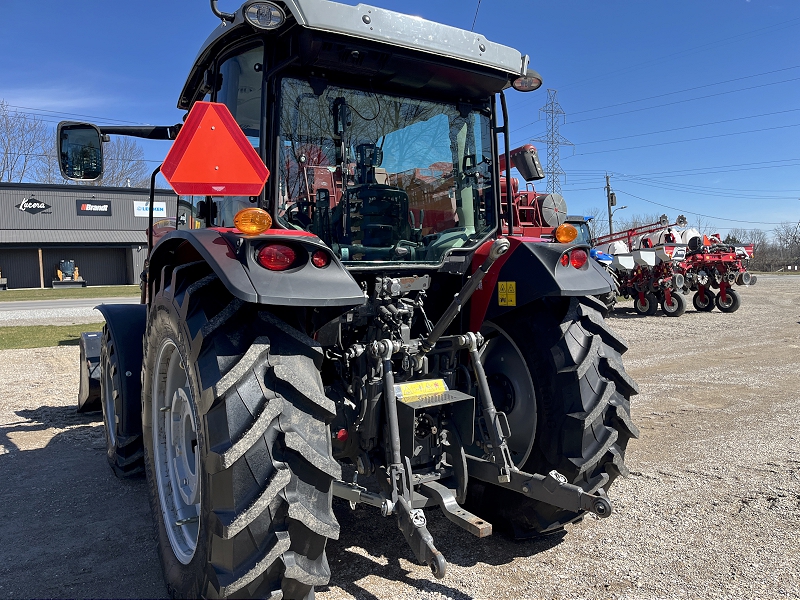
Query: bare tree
634, 221
22, 142
702, 224
123, 165
598, 225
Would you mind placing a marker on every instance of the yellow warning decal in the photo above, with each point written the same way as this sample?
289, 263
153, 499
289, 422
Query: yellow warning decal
415, 390
507, 293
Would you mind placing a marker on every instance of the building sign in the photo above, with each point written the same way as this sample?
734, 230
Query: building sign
32, 205
93, 208
142, 209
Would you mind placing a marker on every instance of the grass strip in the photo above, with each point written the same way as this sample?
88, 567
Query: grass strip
102, 291
43, 336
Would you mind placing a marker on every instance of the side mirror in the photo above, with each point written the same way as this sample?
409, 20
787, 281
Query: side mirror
80, 151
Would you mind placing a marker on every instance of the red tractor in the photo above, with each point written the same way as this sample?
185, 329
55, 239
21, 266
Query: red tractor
366, 308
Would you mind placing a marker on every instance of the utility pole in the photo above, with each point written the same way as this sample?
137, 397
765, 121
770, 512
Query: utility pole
612, 201
554, 140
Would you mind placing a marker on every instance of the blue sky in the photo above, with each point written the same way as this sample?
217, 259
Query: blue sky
691, 104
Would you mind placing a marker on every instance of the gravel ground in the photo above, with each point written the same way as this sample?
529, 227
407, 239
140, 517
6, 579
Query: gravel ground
711, 510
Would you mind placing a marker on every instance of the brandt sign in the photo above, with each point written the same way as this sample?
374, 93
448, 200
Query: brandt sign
32, 205
92, 208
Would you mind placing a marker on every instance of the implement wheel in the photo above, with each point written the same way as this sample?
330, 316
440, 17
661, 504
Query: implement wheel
706, 306
123, 430
237, 445
646, 307
567, 401
731, 303
676, 307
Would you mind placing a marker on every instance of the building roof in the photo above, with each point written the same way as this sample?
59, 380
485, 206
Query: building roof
72, 236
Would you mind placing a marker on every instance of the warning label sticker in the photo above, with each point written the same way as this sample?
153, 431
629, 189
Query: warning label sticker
507, 293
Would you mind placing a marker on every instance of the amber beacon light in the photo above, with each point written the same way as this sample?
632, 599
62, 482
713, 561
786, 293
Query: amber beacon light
252, 220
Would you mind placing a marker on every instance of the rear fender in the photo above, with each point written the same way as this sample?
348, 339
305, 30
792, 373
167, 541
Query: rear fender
232, 256
531, 270
126, 325
89, 381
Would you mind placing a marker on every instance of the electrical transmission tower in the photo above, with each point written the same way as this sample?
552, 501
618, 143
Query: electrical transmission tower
554, 141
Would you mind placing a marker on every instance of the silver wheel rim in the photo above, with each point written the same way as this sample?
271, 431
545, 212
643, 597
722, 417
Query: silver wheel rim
175, 456
109, 408
502, 356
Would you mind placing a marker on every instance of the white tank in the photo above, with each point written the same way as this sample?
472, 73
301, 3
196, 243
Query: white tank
618, 247
688, 234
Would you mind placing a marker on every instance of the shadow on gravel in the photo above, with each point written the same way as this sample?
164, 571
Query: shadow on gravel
70, 528
367, 541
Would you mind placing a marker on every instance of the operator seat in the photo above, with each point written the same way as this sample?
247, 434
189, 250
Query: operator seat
378, 213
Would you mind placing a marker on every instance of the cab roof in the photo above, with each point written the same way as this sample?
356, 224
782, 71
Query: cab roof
369, 23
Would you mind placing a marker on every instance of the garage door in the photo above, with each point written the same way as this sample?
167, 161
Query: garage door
98, 266
20, 267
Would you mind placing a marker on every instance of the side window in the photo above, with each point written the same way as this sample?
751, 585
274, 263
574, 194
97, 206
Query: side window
240, 78
240, 87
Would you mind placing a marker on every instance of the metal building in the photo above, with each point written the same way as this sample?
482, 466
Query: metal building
103, 229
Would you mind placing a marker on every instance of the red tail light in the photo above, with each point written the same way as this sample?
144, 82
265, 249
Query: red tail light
320, 259
578, 258
276, 257
565, 259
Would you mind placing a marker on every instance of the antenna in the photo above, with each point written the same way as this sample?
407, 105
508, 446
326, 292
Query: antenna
554, 141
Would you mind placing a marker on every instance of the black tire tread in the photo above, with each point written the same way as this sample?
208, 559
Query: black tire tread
583, 395
126, 455
261, 396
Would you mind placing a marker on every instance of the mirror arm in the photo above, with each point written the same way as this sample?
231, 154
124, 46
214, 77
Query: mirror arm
150, 132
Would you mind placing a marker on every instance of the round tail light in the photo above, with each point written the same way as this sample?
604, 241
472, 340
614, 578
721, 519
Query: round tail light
565, 259
578, 258
276, 257
320, 259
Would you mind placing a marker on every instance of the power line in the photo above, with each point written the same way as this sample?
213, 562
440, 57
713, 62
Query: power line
681, 210
719, 192
691, 89
624, 137
724, 41
68, 114
707, 137
627, 112
476, 16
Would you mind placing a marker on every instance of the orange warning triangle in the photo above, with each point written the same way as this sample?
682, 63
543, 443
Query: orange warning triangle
211, 156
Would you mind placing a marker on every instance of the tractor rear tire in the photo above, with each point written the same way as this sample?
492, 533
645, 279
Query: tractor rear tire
648, 307
581, 395
709, 303
123, 439
733, 303
676, 308
240, 479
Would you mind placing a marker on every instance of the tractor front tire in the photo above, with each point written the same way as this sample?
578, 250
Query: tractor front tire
580, 400
123, 437
731, 304
676, 307
237, 445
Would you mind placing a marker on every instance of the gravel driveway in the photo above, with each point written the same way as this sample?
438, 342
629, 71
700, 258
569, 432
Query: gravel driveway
711, 510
